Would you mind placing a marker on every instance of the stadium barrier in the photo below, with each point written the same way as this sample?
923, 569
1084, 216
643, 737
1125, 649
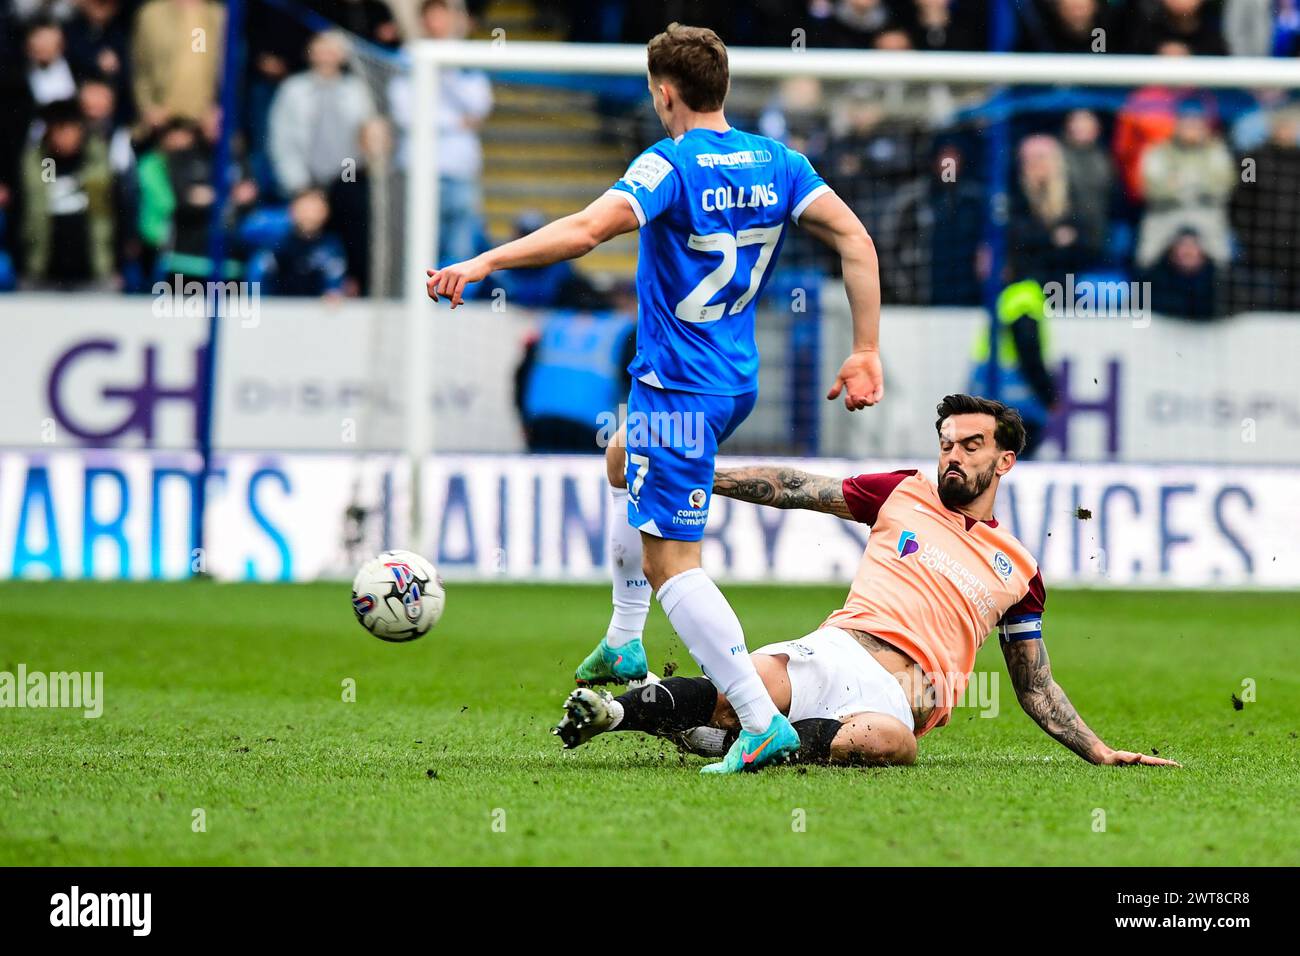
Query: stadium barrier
302, 376
310, 475
281, 517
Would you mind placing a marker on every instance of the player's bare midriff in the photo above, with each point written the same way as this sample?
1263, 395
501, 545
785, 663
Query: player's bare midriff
906, 671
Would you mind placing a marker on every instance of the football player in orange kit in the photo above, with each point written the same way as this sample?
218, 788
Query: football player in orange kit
938, 574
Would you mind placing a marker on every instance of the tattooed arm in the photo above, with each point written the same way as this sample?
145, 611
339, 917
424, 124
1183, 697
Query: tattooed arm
783, 488
1043, 700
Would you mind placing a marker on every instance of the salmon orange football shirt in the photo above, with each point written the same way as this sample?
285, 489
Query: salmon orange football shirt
934, 582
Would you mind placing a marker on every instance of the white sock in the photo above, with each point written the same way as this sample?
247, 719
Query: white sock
707, 741
616, 716
631, 589
712, 633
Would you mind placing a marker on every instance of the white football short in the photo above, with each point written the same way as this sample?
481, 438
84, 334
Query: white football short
832, 676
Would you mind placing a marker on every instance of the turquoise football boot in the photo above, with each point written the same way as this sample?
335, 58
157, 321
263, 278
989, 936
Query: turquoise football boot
613, 665
751, 751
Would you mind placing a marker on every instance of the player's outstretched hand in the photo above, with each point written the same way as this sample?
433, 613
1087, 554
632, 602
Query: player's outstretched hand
450, 282
861, 379
1128, 757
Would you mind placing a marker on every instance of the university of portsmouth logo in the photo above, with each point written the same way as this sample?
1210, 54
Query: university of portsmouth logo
698, 498
907, 544
1002, 565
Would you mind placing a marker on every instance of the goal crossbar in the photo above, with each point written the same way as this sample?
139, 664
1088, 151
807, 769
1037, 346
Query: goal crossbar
1087, 69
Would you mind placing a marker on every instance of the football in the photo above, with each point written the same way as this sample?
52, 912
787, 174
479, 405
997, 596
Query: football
397, 596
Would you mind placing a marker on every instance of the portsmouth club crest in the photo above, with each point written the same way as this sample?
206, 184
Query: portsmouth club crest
1002, 565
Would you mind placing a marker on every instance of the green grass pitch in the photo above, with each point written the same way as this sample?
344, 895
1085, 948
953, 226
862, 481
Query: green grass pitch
229, 699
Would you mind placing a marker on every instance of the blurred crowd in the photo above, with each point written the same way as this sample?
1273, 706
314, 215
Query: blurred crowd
111, 114
1192, 192
1203, 27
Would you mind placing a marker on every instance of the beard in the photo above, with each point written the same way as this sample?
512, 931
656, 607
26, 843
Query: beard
958, 493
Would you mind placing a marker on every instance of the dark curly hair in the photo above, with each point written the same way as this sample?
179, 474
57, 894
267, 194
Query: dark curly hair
1009, 432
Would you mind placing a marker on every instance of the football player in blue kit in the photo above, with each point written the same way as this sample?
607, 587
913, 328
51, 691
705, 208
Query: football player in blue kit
711, 203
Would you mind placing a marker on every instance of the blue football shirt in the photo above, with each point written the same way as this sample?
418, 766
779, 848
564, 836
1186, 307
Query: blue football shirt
713, 208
